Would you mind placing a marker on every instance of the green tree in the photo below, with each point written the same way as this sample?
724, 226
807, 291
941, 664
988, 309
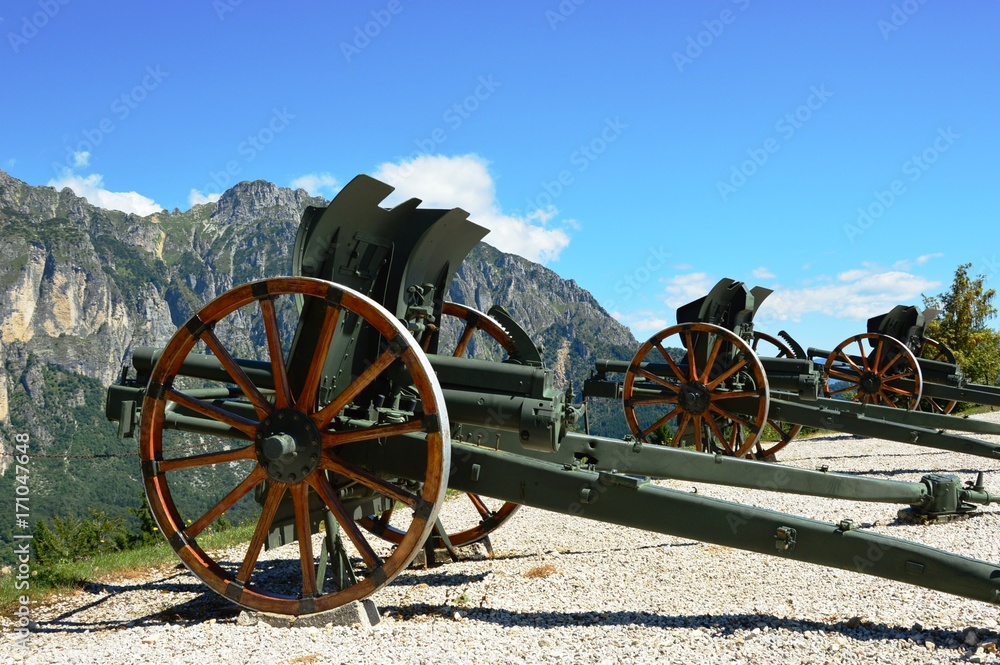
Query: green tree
965, 309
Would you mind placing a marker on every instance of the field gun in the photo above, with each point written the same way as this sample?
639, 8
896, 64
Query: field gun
332, 397
903, 368
707, 383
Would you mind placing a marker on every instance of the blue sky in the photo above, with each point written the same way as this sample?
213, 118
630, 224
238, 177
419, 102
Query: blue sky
842, 154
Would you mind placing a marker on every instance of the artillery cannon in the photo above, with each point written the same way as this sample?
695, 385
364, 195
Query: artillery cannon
349, 415
716, 393
904, 368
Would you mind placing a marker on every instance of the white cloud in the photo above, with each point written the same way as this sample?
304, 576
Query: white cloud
682, 289
196, 198
11, 163
906, 264
81, 158
91, 187
643, 324
317, 184
763, 273
854, 294
465, 182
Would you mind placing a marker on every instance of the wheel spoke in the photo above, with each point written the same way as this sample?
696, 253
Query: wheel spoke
671, 363
734, 395
326, 415
282, 392
719, 435
660, 423
480, 506
692, 365
836, 374
248, 427
303, 527
889, 365
643, 401
205, 459
236, 373
711, 359
682, 423
310, 386
655, 379
698, 445
369, 480
274, 494
842, 390
877, 357
463, 342
725, 413
727, 374
896, 377
863, 355
326, 492
333, 438
850, 361
256, 477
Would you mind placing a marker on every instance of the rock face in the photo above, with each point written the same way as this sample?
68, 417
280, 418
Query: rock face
569, 324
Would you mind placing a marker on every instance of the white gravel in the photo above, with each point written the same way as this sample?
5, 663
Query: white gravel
573, 591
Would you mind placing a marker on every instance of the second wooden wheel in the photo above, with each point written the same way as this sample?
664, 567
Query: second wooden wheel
778, 434
888, 375
931, 349
711, 391
477, 516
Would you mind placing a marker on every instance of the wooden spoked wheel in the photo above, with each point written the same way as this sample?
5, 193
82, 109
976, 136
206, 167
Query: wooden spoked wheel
888, 375
293, 446
482, 514
475, 320
778, 434
931, 349
769, 346
715, 394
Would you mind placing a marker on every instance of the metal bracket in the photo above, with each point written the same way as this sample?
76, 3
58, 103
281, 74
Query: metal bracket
784, 539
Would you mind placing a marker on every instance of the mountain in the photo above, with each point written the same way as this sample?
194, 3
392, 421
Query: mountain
80, 286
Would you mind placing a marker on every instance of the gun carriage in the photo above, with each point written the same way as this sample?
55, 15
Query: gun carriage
355, 416
702, 383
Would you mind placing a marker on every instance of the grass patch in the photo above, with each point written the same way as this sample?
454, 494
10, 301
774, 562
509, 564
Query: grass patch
544, 570
49, 580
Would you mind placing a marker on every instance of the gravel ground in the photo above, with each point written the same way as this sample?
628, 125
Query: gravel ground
569, 590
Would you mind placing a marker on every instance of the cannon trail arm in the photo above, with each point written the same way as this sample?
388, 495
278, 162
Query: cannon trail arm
629, 501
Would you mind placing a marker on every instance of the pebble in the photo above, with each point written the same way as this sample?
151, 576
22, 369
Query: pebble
617, 595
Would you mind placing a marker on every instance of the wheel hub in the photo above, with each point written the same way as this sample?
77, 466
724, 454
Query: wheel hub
288, 445
870, 383
694, 398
